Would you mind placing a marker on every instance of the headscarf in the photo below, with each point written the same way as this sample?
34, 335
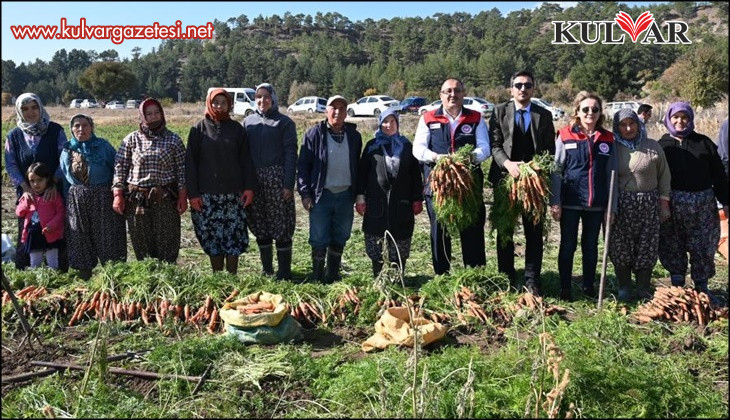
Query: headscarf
621, 115
216, 114
274, 99
38, 128
673, 109
82, 153
390, 145
154, 129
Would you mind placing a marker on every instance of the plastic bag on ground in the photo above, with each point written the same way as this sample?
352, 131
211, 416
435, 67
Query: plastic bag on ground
287, 331
393, 328
8, 249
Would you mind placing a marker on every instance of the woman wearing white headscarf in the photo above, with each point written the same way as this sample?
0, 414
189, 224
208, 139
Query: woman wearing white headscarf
644, 183
35, 139
273, 140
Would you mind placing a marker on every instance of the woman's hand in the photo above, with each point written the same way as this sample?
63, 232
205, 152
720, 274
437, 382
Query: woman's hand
360, 208
417, 207
556, 211
196, 204
307, 203
182, 201
664, 212
247, 197
287, 194
50, 194
118, 204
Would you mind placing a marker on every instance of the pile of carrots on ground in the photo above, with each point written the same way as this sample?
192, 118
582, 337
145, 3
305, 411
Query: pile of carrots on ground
679, 304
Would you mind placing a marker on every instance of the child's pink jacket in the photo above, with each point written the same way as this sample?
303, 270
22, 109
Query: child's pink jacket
52, 213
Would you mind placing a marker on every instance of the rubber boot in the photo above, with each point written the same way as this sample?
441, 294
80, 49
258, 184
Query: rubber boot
377, 268
677, 280
318, 256
701, 286
283, 256
232, 264
216, 262
623, 277
267, 256
334, 259
643, 284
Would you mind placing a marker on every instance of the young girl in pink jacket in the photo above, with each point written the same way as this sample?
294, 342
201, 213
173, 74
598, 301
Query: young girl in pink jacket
44, 219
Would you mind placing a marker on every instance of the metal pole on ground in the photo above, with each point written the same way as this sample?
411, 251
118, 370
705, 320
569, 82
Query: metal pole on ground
609, 211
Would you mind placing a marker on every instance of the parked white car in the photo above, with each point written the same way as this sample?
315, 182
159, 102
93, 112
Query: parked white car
556, 111
75, 103
610, 108
89, 103
309, 104
114, 105
372, 105
474, 103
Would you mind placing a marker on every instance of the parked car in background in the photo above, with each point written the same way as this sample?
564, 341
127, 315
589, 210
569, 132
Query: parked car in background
75, 103
479, 104
611, 107
411, 104
133, 104
309, 104
371, 105
244, 102
433, 105
89, 103
557, 112
114, 105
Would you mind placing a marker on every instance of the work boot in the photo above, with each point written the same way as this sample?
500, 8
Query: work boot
267, 258
377, 268
677, 280
566, 294
643, 284
532, 287
701, 286
283, 256
334, 259
318, 255
623, 277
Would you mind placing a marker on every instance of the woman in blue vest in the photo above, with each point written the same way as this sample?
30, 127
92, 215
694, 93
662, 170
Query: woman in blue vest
35, 139
585, 155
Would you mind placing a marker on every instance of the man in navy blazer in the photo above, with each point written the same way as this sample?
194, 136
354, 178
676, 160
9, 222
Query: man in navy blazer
518, 130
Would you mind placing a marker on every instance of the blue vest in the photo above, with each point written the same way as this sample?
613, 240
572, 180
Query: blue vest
585, 180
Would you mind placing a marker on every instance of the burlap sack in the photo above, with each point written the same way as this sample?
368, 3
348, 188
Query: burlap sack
230, 314
393, 328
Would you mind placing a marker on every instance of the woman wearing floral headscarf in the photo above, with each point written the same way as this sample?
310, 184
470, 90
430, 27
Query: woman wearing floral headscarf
220, 181
95, 233
149, 185
698, 178
643, 182
273, 140
390, 193
35, 139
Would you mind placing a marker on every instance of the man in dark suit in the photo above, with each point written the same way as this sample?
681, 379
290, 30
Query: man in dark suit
518, 130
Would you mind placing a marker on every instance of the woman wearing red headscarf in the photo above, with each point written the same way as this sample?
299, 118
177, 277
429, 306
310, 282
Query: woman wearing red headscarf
220, 182
149, 185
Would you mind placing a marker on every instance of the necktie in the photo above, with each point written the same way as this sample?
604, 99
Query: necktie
522, 120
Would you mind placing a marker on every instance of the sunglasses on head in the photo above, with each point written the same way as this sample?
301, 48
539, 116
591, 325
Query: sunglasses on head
519, 85
594, 109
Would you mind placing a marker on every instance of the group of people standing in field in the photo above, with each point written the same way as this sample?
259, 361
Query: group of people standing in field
75, 196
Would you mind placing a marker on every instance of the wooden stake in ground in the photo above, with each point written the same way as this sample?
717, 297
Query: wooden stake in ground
605, 242
29, 331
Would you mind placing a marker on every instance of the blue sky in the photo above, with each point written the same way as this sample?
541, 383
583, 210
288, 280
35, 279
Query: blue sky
197, 13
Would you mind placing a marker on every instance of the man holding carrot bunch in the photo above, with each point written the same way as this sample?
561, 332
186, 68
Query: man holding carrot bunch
519, 130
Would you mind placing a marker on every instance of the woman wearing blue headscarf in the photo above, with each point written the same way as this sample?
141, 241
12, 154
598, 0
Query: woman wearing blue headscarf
698, 178
95, 233
643, 183
390, 193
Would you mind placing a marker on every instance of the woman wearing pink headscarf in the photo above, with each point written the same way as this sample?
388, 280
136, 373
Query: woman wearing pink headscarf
698, 178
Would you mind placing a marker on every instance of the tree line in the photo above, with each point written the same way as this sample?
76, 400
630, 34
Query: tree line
328, 53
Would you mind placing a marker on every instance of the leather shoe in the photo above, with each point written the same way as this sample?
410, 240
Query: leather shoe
590, 292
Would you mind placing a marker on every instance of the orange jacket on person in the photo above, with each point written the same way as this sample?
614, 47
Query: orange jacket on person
52, 214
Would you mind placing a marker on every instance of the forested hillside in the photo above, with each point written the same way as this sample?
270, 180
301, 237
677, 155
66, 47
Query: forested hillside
328, 53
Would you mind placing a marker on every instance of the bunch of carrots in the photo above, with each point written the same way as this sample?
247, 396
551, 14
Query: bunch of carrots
456, 194
678, 304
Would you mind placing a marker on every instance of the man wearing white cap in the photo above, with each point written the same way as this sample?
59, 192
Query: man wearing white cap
326, 180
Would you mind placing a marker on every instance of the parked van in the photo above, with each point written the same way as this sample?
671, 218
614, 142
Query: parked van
75, 103
308, 104
243, 100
